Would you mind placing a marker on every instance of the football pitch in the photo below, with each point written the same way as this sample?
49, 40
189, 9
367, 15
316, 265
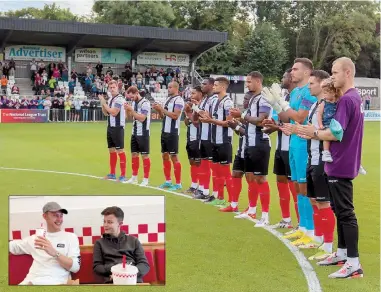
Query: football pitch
206, 250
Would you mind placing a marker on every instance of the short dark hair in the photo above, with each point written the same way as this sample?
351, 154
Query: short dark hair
320, 74
132, 89
114, 210
223, 80
305, 61
288, 71
210, 80
256, 74
197, 88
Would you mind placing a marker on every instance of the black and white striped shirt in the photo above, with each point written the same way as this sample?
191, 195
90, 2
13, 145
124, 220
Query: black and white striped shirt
170, 125
206, 105
221, 108
254, 134
193, 132
143, 106
120, 119
314, 147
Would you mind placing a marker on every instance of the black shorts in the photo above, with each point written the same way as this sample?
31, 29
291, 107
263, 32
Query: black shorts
140, 144
115, 137
206, 150
282, 163
222, 153
169, 143
77, 112
257, 159
193, 150
239, 164
317, 183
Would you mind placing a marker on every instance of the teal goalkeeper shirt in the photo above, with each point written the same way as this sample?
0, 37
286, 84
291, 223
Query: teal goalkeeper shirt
300, 99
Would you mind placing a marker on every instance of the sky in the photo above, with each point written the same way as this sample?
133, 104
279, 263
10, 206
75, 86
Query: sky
79, 7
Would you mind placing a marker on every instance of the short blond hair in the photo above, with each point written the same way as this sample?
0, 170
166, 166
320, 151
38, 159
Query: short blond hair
346, 64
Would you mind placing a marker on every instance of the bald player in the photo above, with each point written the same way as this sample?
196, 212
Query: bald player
346, 134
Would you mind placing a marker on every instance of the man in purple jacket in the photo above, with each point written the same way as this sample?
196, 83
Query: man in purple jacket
345, 132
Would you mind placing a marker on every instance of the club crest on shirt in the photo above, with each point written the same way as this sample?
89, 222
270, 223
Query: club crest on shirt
62, 245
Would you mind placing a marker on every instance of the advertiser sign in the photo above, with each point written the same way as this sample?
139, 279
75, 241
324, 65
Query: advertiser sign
23, 116
108, 56
372, 116
163, 59
35, 52
372, 91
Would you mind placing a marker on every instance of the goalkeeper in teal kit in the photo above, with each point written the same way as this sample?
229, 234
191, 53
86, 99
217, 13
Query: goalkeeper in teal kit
296, 111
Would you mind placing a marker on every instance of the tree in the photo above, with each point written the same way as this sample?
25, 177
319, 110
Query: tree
139, 13
265, 51
51, 12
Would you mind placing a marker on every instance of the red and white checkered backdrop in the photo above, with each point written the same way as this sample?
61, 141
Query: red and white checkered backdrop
144, 220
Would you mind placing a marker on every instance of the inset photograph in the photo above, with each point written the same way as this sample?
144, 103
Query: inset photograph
87, 240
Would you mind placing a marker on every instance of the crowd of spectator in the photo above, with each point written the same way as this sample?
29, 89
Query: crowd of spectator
7, 68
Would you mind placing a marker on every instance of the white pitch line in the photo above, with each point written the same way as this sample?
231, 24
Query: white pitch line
308, 271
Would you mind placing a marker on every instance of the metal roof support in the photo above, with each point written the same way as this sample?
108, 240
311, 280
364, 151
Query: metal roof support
73, 45
4, 42
140, 47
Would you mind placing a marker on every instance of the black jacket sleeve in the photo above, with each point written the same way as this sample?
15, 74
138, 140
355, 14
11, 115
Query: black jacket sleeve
98, 264
141, 260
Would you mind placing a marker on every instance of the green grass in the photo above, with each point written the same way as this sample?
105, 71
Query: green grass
206, 250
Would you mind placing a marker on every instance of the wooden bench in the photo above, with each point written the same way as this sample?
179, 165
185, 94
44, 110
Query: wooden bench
19, 266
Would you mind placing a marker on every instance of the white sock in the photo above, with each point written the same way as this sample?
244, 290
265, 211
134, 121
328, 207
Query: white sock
288, 220
310, 233
194, 185
145, 179
234, 204
206, 192
201, 188
134, 177
342, 252
327, 246
215, 194
354, 262
265, 216
318, 239
252, 210
302, 229
169, 181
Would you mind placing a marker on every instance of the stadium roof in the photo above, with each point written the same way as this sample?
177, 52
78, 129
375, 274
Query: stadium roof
72, 35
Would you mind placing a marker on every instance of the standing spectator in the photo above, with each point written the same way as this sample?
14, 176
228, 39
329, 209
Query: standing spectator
74, 75
77, 106
55, 108
65, 74
33, 103
33, 70
139, 80
4, 82
37, 83
367, 102
24, 104
3, 102
12, 67
109, 71
40, 103
71, 86
67, 107
1, 69
146, 78
99, 68
61, 109
41, 67
60, 67
85, 110
47, 105
6, 69
120, 85
128, 74
56, 74
88, 83
94, 90
89, 69
93, 109
52, 85
160, 79
17, 104
152, 85
133, 80
72, 109
107, 78
168, 79
15, 89
10, 103
51, 67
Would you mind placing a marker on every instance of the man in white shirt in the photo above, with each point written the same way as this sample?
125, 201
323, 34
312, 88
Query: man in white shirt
55, 255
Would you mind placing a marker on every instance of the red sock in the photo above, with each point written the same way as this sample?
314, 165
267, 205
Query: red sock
226, 174
237, 182
264, 195
135, 165
253, 194
146, 167
113, 160
167, 169
219, 179
177, 168
205, 177
122, 162
213, 167
317, 221
284, 199
328, 223
194, 175
291, 185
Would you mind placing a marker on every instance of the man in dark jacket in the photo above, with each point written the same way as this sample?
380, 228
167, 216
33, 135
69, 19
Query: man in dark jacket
109, 250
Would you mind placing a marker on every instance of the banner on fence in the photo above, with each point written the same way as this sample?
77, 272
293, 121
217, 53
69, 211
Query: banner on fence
372, 116
23, 116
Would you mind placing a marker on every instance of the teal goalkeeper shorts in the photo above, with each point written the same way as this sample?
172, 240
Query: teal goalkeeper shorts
298, 163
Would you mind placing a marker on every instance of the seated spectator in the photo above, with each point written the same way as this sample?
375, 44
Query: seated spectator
15, 89
33, 103
24, 103
11, 104
3, 102
4, 82
54, 255
109, 250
